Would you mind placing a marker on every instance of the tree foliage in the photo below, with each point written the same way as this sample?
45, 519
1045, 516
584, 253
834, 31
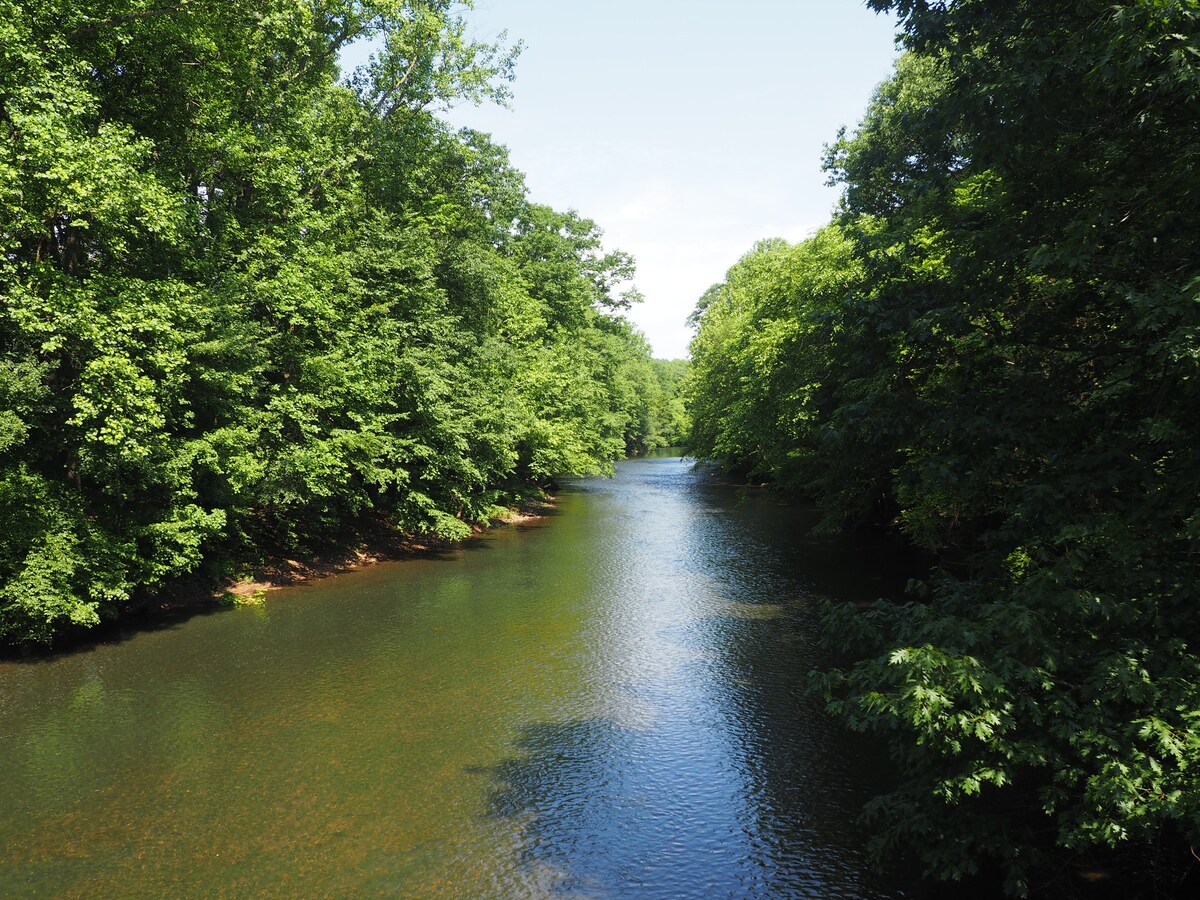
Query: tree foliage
1004, 368
244, 303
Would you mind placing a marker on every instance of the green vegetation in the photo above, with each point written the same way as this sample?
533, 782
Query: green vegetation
245, 304
994, 348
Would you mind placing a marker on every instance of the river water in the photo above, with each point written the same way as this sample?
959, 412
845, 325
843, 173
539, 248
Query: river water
606, 703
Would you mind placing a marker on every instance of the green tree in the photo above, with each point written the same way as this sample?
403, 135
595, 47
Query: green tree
1007, 378
247, 306
761, 360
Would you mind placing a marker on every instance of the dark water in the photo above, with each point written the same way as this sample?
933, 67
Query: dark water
608, 703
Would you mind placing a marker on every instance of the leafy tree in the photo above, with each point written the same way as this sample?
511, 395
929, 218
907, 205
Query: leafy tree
248, 306
1009, 382
673, 418
761, 361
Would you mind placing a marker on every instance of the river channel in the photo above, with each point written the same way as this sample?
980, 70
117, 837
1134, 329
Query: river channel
607, 702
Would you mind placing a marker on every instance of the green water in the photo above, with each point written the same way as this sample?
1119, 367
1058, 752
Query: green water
606, 703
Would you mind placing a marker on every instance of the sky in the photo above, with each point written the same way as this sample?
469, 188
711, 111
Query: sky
687, 129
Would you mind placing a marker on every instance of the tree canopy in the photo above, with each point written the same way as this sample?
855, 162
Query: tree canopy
993, 349
247, 303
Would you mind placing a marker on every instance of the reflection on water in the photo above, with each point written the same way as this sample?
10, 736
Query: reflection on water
608, 703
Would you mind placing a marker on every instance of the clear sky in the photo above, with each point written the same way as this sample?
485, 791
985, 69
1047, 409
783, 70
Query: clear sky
688, 129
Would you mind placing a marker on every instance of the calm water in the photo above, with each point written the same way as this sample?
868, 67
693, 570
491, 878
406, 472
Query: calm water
608, 703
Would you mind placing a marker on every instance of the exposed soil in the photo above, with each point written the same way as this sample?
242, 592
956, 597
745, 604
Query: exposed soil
375, 548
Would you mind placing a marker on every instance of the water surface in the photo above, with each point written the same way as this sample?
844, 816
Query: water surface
607, 703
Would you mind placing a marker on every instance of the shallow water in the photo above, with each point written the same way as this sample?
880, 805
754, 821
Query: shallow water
606, 703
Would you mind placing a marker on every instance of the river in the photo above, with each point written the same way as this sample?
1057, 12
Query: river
607, 702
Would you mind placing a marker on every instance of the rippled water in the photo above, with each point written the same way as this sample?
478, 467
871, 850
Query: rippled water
608, 703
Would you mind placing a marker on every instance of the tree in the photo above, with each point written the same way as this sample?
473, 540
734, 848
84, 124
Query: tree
247, 307
1009, 382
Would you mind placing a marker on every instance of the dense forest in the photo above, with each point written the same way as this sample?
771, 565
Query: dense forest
250, 303
247, 302
993, 348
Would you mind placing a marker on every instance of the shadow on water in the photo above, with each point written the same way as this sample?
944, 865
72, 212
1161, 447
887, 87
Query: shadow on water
551, 786
114, 632
571, 787
573, 790
197, 597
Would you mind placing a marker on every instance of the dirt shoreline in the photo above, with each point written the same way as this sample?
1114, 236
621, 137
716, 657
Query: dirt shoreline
282, 571
197, 594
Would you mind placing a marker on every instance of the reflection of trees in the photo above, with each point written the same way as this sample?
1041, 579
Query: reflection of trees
805, 779
803, 782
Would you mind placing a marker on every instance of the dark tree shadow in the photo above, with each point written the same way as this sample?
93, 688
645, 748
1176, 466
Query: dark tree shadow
565, 787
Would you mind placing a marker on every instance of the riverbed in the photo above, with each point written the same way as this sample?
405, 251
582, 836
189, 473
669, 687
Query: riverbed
606, 702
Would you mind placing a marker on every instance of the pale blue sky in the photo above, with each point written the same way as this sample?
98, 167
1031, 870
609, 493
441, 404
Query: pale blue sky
687, 130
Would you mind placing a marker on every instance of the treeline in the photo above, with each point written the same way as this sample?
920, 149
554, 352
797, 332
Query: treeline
246, 303
995, 348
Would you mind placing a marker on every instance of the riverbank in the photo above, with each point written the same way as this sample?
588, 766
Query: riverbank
208, 590
380, 544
